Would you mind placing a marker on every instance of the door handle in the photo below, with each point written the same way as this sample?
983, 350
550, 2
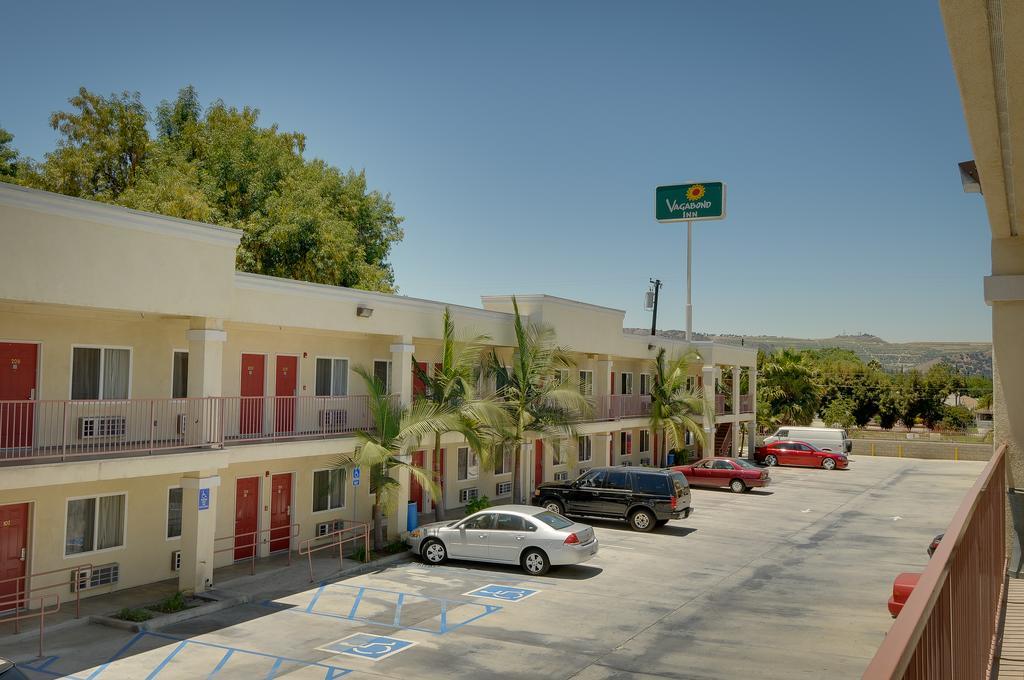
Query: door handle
481, 535
519, 538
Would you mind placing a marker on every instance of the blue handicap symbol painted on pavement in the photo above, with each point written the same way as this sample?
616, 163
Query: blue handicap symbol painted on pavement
496, 591
368, 646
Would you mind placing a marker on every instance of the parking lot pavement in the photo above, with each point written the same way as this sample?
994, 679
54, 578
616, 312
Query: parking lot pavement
787, 582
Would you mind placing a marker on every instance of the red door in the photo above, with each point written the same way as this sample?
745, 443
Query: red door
419, 388
285, 393
17, 383
280, 512
439, 476
13, 551
538, 462
415, 490
251, 389
247, 512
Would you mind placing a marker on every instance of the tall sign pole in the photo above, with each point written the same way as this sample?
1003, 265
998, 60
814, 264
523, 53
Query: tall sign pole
690, 202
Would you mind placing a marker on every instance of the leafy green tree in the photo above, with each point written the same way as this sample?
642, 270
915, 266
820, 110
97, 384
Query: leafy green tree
787, 385
889, 409
536, 400
382, 450
839, 413
956, 418
674, 404
8, 156
450, 386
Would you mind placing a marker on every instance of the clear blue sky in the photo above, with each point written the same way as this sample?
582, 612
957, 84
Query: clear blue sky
522, 141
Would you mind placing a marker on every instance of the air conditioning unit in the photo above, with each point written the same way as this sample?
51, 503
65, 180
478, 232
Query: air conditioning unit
503, 488
101, 426
562, 476
584, 470
176, 560
333, 418
467, 495
325, 528
181, 423
82, 582
103, 575
626, 463
645, 461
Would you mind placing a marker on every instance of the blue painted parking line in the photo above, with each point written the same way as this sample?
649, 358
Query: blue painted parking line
325, 603
280, 666
367, 646
496, 591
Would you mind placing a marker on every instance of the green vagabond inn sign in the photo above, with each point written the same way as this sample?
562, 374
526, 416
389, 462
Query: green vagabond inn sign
690, 202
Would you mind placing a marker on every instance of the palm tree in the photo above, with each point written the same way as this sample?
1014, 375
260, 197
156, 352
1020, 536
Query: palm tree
450, 387
382, 450
536, 400
787, 387
674, 404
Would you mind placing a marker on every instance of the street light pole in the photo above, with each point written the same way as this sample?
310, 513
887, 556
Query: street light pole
689, 266
654, 321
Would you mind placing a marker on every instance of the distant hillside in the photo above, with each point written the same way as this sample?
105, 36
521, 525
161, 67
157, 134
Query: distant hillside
972, 358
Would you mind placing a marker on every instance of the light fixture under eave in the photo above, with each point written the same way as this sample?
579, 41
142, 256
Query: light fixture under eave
364, 312
969, 177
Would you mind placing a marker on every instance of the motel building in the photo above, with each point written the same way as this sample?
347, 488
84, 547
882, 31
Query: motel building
158, 409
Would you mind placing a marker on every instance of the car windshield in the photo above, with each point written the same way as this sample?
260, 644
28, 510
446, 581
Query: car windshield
744, 463
552, 520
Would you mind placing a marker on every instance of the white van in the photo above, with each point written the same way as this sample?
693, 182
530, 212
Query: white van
825, 438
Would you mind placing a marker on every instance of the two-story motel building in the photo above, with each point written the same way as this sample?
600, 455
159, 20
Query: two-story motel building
156, 404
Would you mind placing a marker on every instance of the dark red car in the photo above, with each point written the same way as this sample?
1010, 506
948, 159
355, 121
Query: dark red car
792, 452
736, 473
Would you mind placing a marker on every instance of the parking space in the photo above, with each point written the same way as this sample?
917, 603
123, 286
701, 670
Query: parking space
787, 582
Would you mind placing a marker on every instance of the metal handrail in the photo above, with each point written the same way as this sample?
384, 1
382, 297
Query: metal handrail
294, 531
41, 611
948, 626
29, 588
336, 541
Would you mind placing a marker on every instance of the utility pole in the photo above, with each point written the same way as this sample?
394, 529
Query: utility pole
656, 283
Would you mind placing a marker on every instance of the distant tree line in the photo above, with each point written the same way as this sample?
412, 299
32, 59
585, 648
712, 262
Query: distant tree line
300, 218
795, 387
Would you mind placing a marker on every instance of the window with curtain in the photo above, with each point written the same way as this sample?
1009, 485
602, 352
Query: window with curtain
503, 463
469, 464
179, 381
587, 383
645, 441
174, 497
584, 447
625, 443
645, 384
627, 383
331, 377
95, 523
558, 452
100, 373
382, 371
329, 489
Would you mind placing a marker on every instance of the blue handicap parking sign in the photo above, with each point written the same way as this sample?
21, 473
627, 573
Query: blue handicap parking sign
355, 476
204, 499
368, 646
504, 593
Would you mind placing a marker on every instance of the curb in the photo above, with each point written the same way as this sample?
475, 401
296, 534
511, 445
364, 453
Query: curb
163, 620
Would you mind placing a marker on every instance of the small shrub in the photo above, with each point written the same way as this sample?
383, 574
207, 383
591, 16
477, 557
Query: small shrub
477, 504
171, 604
396, 546
134, 615
360, 554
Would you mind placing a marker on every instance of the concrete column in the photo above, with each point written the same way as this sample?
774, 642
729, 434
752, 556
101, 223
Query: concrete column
752, 424
710, 381
737, 438
602, 389
199, 491
401, 385
601, 447
206, 339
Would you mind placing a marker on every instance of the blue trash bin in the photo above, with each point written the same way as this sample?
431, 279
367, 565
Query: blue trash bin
414, 516
671, 459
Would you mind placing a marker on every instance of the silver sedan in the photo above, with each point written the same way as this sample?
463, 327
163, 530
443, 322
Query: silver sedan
533, 538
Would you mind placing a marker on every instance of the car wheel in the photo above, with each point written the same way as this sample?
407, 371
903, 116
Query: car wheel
828, 464
737, 486
552, 505
535, 562
434, 552
770, 460
642, 520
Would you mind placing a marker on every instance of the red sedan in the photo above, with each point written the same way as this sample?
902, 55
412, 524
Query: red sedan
735, 473
791, 452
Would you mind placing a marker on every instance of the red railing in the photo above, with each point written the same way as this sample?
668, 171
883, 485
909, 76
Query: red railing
18, 607
246, 545
947, 629
75, 429
617, 406
337, 539
39, 612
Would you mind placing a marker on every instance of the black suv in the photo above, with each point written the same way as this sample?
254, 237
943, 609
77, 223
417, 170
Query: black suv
647, 498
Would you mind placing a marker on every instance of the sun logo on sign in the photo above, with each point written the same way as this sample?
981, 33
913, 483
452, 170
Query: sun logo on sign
695, 192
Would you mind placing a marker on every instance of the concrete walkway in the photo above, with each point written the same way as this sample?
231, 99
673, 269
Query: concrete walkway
1010, 664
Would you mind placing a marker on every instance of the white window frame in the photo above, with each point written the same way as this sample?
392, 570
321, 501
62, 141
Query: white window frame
167, 516
587, 383
344, 495
348, 375
95, 524
562, 452
584, 454
625, 443
103, 359
471, 456
390, 370
645, 384
645, 438
623, 379
562, 375
508, 461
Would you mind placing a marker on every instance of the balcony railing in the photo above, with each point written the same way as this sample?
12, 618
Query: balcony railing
948, 626
746, 403
722, 407
618, 406
68, 430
